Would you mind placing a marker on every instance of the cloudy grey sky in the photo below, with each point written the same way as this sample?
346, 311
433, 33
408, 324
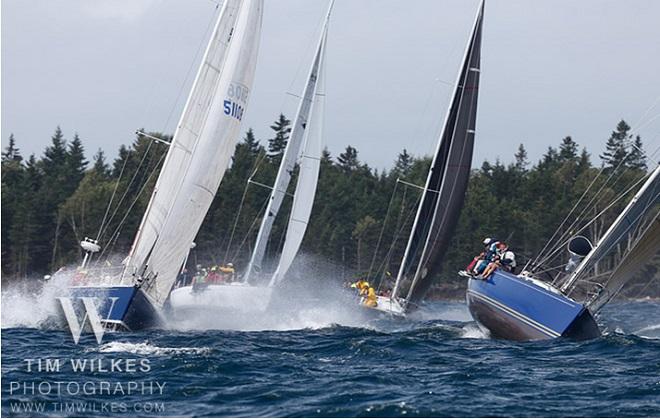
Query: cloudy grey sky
550, 68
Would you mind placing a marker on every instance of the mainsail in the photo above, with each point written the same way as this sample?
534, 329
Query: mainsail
643, 204
200, 150
310, 143
447, 180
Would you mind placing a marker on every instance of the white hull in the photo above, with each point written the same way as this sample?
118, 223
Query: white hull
235, 297
386, 305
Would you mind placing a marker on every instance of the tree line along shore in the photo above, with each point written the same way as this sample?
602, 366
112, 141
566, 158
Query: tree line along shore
361, 216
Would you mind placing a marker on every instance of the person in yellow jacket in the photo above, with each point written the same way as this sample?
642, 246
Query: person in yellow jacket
372, 299
228, 272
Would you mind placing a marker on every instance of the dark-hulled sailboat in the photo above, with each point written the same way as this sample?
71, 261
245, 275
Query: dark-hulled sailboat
444, 192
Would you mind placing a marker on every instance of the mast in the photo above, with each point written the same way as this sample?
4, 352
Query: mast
446, 182
200, 150
647, 196
287, 166
309, 163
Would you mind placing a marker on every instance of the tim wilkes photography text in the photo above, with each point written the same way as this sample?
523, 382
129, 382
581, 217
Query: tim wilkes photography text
115, 381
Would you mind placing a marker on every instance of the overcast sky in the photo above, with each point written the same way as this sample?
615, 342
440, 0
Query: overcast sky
104, 68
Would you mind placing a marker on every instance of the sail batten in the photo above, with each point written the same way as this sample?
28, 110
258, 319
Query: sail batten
200, 150
438, 212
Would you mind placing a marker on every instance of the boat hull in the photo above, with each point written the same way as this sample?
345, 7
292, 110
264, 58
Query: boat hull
385, 307
519, 308
235, 297
121, 307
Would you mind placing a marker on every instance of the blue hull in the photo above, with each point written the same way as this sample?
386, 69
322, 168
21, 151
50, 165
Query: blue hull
514, 308
130, 310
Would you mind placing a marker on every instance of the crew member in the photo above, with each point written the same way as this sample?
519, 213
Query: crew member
372, 299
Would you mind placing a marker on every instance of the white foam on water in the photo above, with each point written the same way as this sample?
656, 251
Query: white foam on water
649, 332
145, 348
472, 331
294, 314
32, 302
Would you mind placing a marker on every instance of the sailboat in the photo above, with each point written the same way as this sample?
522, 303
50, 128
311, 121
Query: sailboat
523, 307
197, 158
444, 191
304, 149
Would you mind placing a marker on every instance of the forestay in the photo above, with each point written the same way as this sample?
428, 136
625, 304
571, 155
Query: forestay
308, 162
200, 151
446, 183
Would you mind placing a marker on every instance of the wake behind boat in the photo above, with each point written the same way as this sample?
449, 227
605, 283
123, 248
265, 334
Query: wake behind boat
195, 163
304, 147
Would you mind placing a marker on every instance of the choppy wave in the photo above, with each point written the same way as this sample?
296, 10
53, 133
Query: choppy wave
145, 348
314, 362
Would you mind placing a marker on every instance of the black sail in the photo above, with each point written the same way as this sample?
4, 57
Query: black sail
447, 181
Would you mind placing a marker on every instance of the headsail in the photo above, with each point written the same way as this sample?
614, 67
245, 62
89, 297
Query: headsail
200, 151
447, 180
308, 176
644, 202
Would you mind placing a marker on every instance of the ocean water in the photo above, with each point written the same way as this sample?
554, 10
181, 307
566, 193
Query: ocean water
332, 362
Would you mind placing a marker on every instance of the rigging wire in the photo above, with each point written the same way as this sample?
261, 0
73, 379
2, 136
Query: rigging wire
128, 188
594, 219
382, 230
115, 234
568, 233
255, 167
112, 197
397, 236
250, 229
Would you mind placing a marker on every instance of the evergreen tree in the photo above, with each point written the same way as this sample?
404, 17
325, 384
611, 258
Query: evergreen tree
637, 158
521, 159
75, 163
403, 164
12, 153
616, 150
277, 144
348, 160
55, 156
584, 161
568, 149
100, 167
251, 142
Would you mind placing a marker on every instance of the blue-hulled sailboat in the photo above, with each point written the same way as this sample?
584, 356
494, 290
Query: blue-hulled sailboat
197, 158
522, 307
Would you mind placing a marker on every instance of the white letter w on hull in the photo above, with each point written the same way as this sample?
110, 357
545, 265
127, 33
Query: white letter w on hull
91, 313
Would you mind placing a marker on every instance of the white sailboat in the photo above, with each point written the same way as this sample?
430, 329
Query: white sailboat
196, 161
303, 149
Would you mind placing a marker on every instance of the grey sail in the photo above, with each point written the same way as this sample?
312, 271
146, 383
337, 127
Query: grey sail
447, 180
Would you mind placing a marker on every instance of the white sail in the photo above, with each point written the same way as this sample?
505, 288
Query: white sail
308, 175
200, 150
